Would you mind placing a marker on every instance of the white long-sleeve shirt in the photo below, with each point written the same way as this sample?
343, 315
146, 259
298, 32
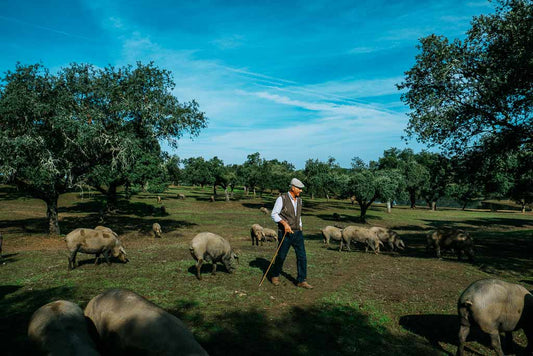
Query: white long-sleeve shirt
279, 205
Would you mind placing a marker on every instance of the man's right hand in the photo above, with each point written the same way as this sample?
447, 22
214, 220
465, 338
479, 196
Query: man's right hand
286, 226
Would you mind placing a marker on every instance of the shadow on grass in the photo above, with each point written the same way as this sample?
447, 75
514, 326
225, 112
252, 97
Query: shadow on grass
435, 328
323, 329
447, 332
17, 308
499, 253
263, 264
472, 224
256, 206
9, 192
8, 258
206, 269
119, 223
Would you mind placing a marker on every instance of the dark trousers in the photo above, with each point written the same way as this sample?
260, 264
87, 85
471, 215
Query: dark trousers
295, 240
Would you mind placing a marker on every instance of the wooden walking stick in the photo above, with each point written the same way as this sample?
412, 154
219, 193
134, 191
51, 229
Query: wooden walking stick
273, 258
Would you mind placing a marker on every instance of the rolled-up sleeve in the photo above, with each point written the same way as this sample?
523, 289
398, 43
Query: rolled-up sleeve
276, 210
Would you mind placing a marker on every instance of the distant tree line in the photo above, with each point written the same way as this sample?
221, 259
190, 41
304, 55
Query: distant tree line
399, 175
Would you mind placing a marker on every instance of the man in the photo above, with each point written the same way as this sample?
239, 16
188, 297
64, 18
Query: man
287, 213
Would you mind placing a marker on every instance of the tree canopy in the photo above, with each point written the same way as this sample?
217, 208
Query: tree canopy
59, 130
475, 92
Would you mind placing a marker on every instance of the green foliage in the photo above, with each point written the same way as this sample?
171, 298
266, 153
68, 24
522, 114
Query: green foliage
197, 171
172, 166
320, 177
415, 175
439, 176
464, 92
87, 125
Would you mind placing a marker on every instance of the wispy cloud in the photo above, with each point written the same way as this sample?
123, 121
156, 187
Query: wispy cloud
319, 81
45, 28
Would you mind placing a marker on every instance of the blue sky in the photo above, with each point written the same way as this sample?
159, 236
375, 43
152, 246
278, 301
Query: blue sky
292, 80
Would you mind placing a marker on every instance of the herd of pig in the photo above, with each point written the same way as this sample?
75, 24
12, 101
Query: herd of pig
440, 240
119, 321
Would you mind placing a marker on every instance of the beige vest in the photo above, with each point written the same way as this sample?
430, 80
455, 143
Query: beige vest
287, 212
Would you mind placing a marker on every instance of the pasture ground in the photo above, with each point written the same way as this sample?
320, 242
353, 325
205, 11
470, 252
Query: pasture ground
364, 304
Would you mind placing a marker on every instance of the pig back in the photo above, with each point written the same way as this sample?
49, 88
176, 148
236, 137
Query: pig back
129, 324
495, 303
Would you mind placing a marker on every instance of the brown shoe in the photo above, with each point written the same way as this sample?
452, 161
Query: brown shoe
305, 285
275, 281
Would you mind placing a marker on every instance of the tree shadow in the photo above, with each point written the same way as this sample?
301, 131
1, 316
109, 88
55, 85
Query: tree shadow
500, 253
347, 219
324, 329
256, 206
313, 236
409, 228
11, 192
5, 290
8, 258
118, 223
17, 308
435, 328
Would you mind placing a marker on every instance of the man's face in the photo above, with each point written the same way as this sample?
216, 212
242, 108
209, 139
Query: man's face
296, 190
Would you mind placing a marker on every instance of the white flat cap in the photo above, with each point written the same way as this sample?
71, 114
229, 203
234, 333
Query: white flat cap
297, 183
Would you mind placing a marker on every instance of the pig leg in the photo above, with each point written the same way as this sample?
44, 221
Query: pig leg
72, 258
214, 270
495, 342
198, 268
348, 243
509, 346
96, 257
529, 336
106, 255
463, 333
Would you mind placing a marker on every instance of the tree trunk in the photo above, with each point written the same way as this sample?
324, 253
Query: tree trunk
111, 195
245, 190
215, 190
433, 206
312, 196
52, 215
389, 206
327, 197
226, 193
254, 192
412, 198
464, 205
363, 207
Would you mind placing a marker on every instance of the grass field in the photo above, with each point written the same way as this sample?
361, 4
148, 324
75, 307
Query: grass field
388, 304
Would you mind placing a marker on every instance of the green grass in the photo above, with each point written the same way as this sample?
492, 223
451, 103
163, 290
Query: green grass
400, 304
